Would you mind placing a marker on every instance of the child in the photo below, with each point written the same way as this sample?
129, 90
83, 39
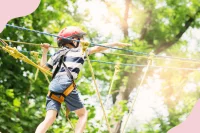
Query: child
66, 64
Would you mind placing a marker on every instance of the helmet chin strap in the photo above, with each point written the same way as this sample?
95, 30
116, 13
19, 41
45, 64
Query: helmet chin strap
77, 43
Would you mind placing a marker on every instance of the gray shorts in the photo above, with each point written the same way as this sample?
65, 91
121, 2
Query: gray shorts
72, 101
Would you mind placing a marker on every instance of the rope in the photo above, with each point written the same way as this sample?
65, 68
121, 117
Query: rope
3, 42
127, 50
84, 48
109, 91
62, 110
71, 124
36, 74
133, 65
46, 77
36, 56
17, 55
113, 78
45, 33
138, 65
53, 35
23, 51
138, 90
140, 53
97, 91
186, 60
25, 43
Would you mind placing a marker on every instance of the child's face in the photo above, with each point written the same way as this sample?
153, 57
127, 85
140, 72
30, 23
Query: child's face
76, 43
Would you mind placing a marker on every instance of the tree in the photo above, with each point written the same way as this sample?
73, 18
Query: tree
156, 25
162, 25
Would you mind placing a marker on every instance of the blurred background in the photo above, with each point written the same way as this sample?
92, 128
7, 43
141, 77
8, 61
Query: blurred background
168, 93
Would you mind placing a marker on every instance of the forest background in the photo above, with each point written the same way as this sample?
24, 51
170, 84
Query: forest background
168, 27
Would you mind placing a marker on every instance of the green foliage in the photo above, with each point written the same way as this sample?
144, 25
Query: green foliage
117, 111
22, 99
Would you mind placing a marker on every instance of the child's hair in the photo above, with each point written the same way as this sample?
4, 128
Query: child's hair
68, 33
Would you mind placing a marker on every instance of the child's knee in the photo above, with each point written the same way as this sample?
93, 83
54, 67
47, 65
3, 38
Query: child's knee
82, 112
86, 113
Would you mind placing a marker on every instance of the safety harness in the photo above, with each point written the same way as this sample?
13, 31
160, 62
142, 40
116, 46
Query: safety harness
59, 97
53, 95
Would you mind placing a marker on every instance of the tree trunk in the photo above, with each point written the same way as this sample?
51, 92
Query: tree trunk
125, 23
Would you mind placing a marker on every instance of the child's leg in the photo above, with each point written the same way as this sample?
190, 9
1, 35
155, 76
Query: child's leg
74, 103
48, 121
52, 108
82, 115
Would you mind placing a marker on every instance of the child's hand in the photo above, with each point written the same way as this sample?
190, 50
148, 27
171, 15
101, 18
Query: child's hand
45, 47
119, 44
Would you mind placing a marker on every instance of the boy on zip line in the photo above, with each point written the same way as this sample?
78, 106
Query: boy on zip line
66, 65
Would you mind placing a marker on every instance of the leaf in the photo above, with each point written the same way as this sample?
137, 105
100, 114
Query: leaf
9, 93
17, 102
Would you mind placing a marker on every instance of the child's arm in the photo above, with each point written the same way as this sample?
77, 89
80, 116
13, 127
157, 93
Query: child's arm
97, 49
45, 48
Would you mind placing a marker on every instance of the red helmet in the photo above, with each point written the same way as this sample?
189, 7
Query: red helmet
69, 32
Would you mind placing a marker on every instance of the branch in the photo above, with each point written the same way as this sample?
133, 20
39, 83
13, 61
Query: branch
123, 20
166, 45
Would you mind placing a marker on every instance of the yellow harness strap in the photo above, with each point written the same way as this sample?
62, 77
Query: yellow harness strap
62, 97
69, 89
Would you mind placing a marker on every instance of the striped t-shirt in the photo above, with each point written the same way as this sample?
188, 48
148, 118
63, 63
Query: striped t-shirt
74, 60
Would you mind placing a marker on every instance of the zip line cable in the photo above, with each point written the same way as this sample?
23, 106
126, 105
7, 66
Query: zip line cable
131, 51
53, 35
